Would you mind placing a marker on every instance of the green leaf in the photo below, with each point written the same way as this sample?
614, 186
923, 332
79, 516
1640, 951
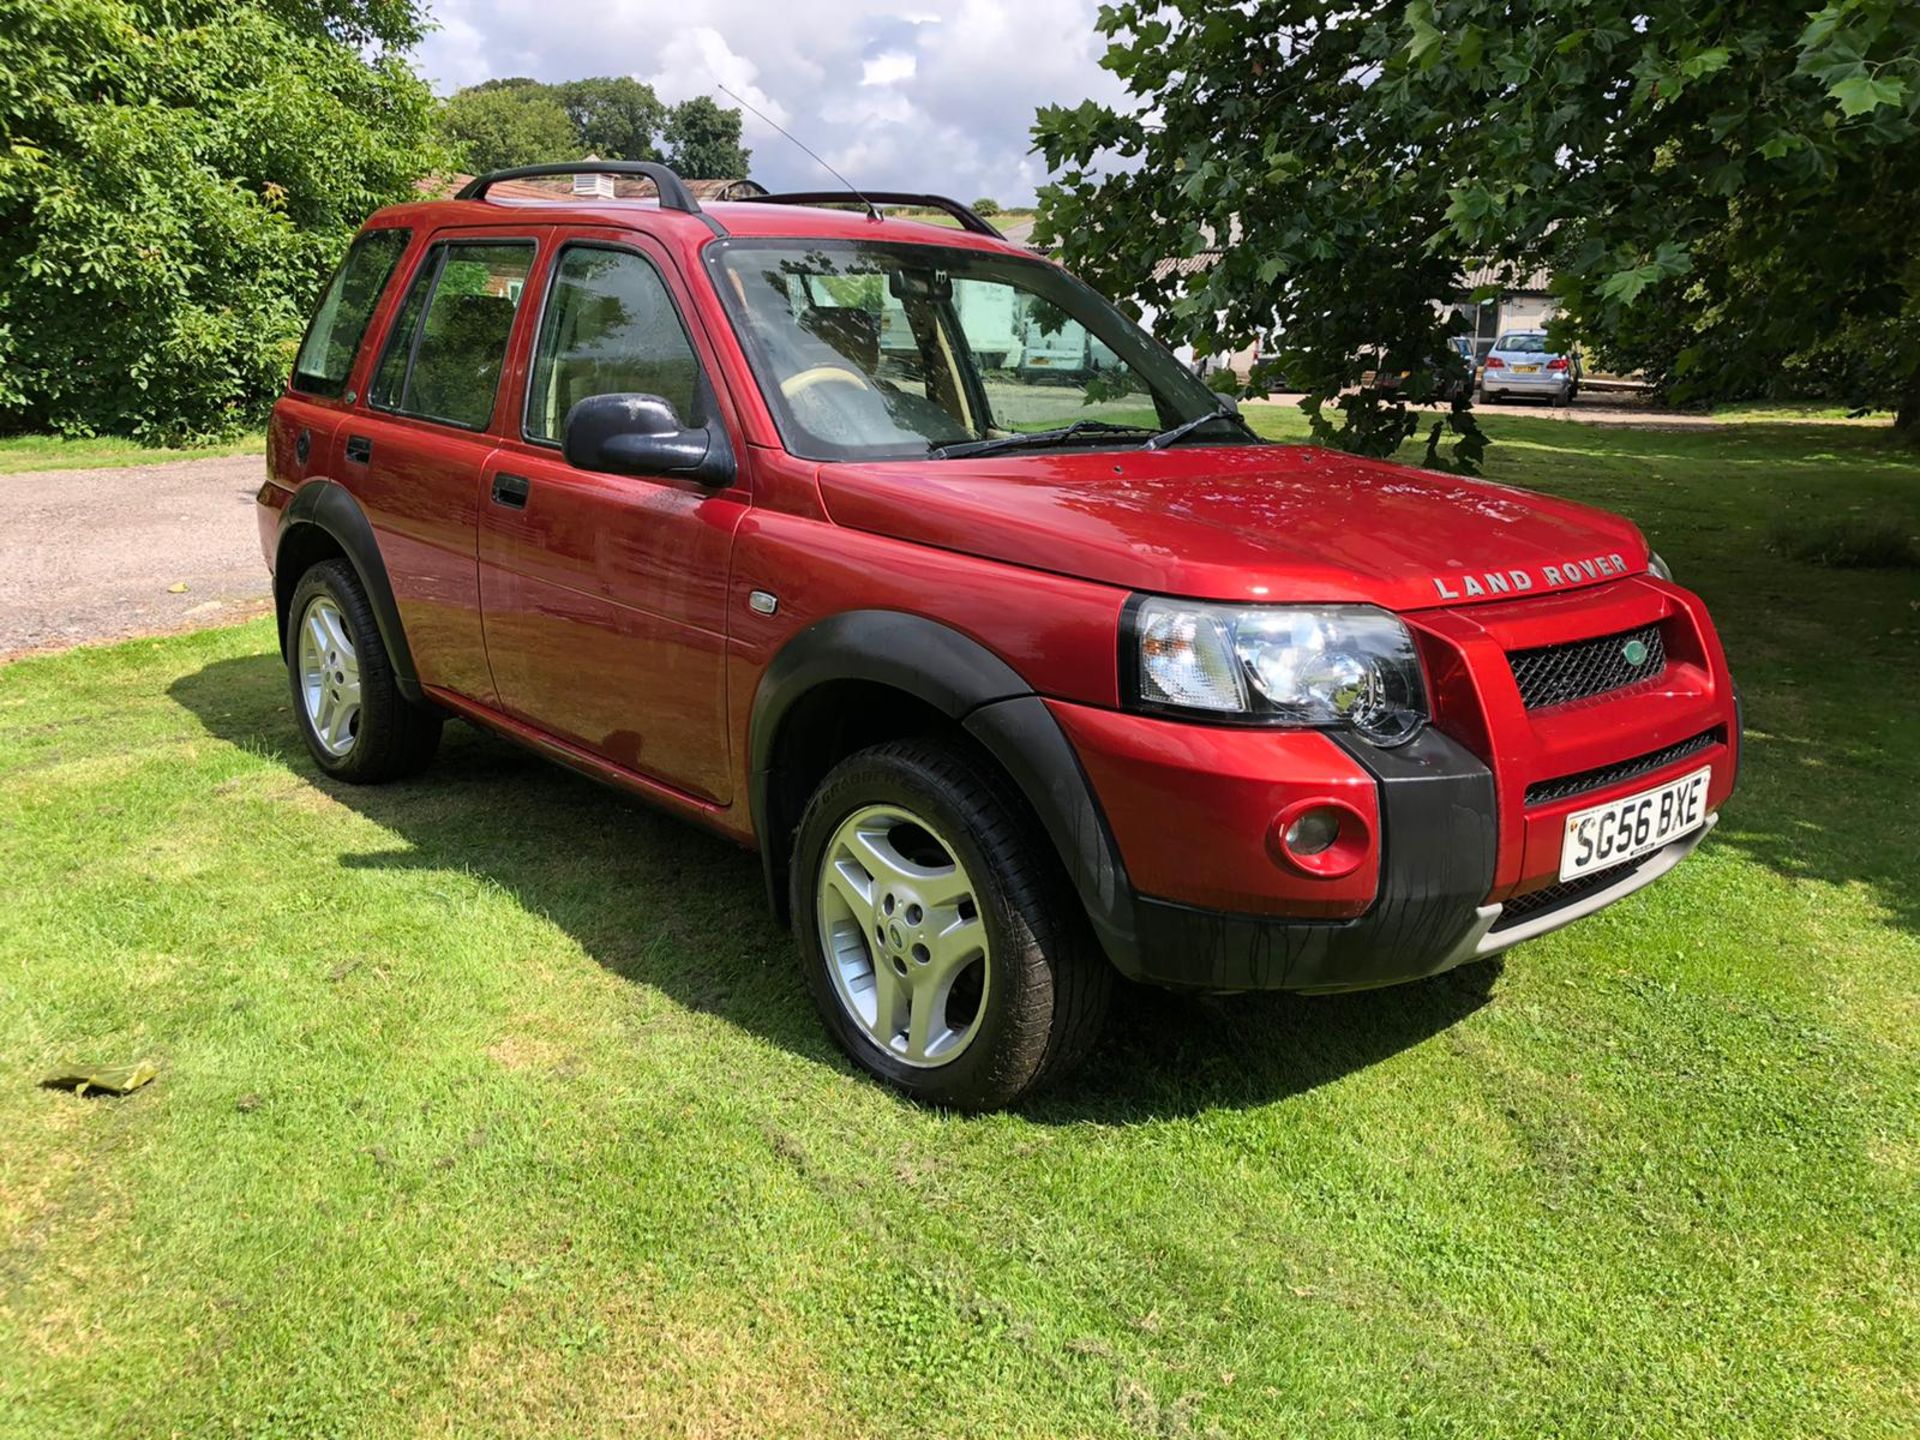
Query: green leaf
1861, 94
1705, 63
1424, 48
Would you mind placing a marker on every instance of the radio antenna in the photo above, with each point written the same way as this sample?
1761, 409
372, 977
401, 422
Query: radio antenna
872, 209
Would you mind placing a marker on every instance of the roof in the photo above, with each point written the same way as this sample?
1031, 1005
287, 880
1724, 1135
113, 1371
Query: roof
560, 187
737, 217
1504, 277
1185, 265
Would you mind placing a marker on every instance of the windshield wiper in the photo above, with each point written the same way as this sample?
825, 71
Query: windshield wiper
1187, 427
1034, 437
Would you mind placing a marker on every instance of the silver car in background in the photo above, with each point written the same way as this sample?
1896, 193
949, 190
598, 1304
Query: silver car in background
1521, 363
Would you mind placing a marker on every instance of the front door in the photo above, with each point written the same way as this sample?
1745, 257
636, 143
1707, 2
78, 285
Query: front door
415, 452
605, 595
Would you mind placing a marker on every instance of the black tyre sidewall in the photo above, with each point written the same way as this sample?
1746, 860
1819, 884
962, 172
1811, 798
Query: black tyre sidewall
1006, 1055
393, 737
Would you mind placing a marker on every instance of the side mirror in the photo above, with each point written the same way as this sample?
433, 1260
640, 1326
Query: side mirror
643, 435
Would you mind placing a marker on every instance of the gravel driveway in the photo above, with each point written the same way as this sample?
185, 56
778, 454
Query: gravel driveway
102, 554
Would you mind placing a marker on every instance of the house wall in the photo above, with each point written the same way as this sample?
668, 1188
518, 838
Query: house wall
1525, 312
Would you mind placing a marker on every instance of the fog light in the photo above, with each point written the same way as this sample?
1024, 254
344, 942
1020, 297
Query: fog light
1313, 832
1320, 836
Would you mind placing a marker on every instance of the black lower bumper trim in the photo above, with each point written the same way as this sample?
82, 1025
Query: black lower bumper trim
1439, 833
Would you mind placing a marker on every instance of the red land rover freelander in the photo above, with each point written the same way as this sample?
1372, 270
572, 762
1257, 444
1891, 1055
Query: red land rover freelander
901, 556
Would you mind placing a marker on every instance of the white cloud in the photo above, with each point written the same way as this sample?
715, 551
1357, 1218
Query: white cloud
897, 96
889, 67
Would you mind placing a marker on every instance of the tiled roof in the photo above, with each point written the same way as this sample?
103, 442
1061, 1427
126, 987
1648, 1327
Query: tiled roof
1505, 278
560, 187
1184, 265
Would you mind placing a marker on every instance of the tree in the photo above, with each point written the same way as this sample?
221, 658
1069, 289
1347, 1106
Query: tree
497, 126
703, 141
614, 116
177, 177
1716, 185
986, 205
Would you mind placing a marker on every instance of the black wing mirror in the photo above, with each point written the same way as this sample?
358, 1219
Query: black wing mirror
644, 435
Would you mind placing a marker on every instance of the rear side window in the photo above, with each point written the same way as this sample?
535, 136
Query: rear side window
609, 327
333, 337
449, 342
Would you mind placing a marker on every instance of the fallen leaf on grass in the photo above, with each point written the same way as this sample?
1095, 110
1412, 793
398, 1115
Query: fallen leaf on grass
114, 1079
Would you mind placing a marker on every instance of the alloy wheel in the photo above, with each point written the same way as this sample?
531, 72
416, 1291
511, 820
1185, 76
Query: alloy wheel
905, 941
329, 676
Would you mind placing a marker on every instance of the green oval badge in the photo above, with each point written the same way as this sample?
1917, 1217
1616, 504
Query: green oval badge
1634, 652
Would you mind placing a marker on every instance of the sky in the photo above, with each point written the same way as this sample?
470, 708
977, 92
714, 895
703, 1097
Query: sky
900, 95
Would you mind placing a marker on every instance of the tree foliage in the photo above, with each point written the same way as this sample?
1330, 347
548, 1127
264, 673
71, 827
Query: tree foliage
496, 126
517, 121
615, 116
703, 140
176, 179
1717, 189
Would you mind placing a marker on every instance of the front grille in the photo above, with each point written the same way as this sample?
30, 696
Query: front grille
1556, 674
1554, 897
1543, 792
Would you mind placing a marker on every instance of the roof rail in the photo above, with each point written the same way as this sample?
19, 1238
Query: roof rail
969, 218
674, 194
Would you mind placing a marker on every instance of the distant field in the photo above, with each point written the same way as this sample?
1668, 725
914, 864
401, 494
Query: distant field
491, 1103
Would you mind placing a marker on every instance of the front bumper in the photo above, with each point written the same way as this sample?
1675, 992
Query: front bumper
1185, 947
1467, 820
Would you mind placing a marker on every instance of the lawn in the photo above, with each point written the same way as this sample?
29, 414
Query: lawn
20, 453
493, 1103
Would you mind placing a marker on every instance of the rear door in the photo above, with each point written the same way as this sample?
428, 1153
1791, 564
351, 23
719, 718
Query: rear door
415, 449
300, 436
605, 595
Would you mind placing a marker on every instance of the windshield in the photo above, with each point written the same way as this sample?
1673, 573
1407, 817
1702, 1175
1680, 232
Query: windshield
1522, 344
874, 351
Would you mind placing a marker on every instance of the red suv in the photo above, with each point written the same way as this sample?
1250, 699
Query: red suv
1016, 675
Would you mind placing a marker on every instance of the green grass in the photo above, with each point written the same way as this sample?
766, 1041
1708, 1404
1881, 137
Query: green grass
493, 1103
1796, 410
20, 453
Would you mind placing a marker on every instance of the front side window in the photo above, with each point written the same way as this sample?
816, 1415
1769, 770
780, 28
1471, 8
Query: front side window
609, 328
870, 350
333, 337
449, 342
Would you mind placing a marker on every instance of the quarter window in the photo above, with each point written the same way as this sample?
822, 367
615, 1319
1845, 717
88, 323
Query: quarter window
610, 327
333, 338
449, 343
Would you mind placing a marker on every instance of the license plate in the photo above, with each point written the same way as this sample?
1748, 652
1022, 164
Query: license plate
1526, 369
1624, 830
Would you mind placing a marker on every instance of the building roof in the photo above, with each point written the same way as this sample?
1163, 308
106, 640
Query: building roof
1184, 265
560, 187
1505, 277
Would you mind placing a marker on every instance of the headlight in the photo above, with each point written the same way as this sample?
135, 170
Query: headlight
1348, 665
1657, 567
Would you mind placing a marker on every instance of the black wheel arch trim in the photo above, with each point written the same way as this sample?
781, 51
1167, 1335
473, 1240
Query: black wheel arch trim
980, 692
329, 506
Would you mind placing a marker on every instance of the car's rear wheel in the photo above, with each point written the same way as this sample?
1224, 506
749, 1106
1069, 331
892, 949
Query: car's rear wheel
357, 724
942, 943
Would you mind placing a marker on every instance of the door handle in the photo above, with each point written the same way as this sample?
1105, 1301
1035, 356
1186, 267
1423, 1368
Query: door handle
359, 449
510, 491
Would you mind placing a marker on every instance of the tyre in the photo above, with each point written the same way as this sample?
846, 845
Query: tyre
943, 944
1487, 397
356, 723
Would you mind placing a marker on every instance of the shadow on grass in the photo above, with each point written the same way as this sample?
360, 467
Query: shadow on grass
659, 902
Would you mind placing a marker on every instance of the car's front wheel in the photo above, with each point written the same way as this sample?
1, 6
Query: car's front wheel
942, 943
356, 723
